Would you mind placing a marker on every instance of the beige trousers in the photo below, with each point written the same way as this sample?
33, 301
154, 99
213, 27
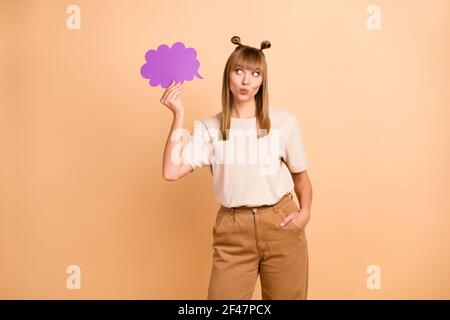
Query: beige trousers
250, 241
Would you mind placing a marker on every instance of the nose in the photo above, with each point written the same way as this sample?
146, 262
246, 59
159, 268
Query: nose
245, 80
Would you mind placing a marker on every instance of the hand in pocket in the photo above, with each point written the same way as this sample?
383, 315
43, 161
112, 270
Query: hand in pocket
299, 218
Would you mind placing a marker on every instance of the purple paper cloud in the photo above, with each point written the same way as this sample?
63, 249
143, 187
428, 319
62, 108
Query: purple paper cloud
167, 64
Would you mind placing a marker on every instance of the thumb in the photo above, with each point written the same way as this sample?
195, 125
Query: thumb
286, 220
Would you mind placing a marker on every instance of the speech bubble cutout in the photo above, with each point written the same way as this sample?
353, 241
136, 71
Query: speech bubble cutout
167, 64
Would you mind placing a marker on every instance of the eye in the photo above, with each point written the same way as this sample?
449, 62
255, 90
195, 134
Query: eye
257, 73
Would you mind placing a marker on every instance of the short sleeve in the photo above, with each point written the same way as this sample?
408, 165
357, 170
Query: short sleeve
294, 154
197, 151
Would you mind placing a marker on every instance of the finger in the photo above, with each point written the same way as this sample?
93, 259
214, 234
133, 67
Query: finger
286, 220
171, 94
176, 94
174, 84
168, 92
169, 89
175, 90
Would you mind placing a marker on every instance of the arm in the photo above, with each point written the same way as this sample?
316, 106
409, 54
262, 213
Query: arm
172, 171
297, 161
303, 190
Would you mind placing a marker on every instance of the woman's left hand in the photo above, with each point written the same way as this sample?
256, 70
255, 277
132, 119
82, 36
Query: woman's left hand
299, 218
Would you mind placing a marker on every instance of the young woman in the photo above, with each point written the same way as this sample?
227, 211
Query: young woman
259, 229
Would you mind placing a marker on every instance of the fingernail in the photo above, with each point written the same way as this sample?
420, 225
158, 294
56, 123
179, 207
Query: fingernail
282, 224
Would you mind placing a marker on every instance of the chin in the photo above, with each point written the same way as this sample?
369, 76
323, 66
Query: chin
243, 98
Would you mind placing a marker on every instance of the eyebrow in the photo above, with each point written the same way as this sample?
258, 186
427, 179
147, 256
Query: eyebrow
256, 69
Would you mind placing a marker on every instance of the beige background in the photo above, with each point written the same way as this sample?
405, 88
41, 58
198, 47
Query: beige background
82, 138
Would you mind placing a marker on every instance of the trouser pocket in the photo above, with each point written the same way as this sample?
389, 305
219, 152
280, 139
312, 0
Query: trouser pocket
283, 212
219, 217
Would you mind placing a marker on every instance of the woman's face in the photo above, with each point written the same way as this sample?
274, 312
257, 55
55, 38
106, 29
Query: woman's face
244, 83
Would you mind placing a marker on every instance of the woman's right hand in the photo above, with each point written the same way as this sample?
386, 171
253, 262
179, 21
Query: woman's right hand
171, 98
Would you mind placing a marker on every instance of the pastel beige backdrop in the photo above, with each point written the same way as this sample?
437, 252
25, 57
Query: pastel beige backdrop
82, 136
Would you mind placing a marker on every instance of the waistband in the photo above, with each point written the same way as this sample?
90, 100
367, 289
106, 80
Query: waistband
286, 198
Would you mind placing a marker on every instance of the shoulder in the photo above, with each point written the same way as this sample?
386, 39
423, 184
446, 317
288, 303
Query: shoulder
281, 117
208, 127
211, 122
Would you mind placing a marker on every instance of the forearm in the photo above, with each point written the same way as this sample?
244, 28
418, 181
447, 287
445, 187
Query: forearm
303, 190
174, 139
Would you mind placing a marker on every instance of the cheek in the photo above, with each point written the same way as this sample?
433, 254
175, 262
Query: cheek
234, 79
257, 86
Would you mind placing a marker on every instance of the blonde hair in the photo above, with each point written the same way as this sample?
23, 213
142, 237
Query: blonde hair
250, 58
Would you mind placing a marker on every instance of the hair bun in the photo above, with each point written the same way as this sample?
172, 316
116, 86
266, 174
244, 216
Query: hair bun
265, 44
236, 40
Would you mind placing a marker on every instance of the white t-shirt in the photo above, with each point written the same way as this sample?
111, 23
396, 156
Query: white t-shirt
248, 171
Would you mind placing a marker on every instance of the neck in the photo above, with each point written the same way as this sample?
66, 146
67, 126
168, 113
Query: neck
246, 109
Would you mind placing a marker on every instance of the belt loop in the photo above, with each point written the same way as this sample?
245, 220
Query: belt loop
291, 195
234, 215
